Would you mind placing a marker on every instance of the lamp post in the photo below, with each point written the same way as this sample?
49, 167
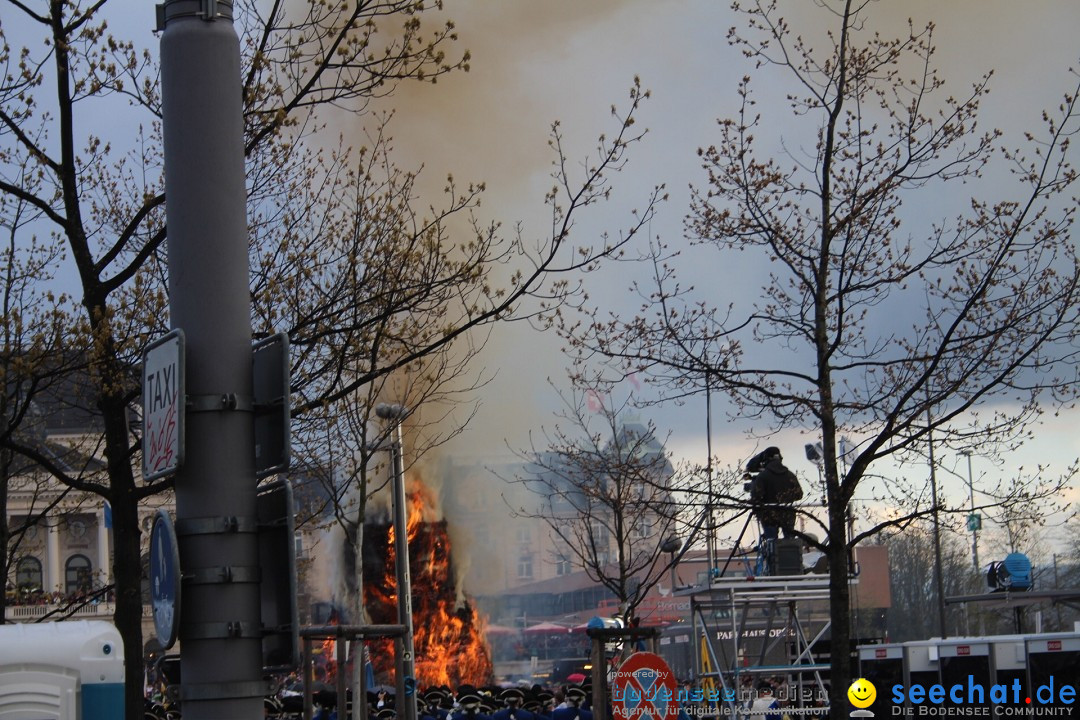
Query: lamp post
814, 453
220, 627
710, 526
672, 546
939, 571
973, 519
406, 665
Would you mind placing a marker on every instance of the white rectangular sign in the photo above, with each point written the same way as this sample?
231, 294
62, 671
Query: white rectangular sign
163, 406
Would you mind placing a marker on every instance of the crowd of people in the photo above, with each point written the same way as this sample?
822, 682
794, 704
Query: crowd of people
565, 702
761, 698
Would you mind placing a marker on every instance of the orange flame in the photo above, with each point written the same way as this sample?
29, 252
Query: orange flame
447, 637
329, 654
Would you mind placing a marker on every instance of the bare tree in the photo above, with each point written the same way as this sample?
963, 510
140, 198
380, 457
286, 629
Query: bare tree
913, 615
1021, 516
324, 225
871, 322
32, 366
603, 486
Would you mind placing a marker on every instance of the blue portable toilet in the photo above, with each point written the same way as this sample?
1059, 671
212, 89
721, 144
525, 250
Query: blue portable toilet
61, 670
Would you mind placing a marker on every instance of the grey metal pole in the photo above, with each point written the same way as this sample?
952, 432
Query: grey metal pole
974, 532
406, 666
220, 630
710, 524
939, 570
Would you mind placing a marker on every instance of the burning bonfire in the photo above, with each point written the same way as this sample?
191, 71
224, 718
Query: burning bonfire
447, 633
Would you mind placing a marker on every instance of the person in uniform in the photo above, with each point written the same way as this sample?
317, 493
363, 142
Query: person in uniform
488, 703
432, 704
469, 705
544, 701
575, 698
513, 699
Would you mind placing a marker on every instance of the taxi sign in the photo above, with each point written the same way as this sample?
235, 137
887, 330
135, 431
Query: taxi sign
644, 688
163, 406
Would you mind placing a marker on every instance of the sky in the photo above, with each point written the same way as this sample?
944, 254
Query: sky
569, 60
540, 61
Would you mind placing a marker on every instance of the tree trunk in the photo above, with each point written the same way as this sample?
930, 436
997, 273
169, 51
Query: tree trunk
127, 575
5, 531
127, 552
839, 612
356, 617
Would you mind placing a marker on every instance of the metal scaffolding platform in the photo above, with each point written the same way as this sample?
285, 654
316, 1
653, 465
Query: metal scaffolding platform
750, 627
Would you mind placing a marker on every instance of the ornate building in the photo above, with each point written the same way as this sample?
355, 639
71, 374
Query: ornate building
59, 548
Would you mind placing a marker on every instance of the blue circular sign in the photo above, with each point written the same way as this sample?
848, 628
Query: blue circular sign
164, 579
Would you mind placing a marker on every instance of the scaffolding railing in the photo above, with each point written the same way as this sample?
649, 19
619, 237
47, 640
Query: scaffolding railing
348, 634
753, 626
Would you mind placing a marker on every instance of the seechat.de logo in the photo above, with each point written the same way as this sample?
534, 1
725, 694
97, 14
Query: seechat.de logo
973, 698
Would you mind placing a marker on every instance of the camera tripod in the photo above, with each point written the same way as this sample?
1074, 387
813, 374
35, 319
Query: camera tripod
766, 552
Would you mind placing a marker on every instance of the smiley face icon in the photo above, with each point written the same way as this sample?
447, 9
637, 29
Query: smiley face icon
862, 693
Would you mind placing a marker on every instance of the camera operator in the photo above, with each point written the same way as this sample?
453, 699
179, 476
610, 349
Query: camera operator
773, 488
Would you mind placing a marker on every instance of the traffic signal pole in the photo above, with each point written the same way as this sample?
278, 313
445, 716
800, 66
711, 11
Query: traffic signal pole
220, 631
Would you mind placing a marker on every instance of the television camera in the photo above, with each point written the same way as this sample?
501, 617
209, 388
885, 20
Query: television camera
756, 464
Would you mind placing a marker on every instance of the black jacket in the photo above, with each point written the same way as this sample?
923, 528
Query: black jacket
775, 485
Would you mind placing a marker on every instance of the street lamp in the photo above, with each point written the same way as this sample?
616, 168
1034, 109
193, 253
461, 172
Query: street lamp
815, 454
672, 546
973, 521
406, 665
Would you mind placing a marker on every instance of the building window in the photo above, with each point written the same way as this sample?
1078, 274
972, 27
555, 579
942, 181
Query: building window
78, 577
28, 575
560, 504
563, 565
600, 535
524, 535
644, 528
298, 544
525, 567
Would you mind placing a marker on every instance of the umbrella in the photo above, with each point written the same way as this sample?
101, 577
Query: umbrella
546, 627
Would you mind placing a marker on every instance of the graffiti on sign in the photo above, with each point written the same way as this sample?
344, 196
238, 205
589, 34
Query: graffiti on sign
163, 391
